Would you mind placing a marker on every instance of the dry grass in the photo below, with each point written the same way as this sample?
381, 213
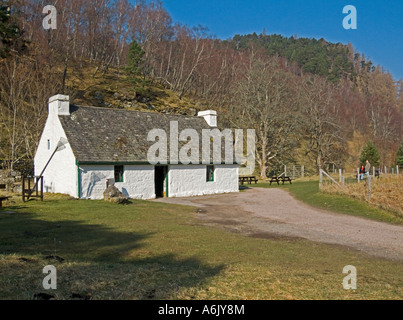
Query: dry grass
101, 90
387, 193
149, 250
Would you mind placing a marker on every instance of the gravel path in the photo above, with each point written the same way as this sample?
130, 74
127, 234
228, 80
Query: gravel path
274, 213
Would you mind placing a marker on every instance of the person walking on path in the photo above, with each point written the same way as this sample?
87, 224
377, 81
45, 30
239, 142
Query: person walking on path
362, 172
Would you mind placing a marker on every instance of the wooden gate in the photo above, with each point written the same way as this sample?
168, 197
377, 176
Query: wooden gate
32, 187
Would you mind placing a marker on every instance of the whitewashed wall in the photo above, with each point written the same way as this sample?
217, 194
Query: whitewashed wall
138, 181
190, 180
61, 174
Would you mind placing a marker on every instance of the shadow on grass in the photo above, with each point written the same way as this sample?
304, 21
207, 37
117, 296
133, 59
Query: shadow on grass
241, 188
96, 256
11, 208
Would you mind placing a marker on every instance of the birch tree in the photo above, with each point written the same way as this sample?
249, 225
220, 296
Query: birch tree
263, 100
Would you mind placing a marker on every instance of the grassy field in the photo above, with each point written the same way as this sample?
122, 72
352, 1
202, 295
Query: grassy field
150, 250
386, 193
308, 192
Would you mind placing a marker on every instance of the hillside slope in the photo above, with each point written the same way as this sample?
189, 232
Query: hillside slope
116, 90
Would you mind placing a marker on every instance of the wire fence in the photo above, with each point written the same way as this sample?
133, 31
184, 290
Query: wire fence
342, 181
292, 171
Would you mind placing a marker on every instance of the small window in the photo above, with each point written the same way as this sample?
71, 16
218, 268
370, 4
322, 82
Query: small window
210, 174
48, 144
119, 173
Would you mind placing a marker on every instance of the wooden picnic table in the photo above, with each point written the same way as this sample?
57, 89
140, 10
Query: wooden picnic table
274, 179
284, 179
280, 179
248, 180
2, 199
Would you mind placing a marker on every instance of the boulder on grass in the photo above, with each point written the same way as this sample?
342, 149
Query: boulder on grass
112, 194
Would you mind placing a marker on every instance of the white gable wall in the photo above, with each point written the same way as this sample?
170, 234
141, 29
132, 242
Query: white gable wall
190, 180
61, 174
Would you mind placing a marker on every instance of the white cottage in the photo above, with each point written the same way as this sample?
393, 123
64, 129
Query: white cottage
110, 146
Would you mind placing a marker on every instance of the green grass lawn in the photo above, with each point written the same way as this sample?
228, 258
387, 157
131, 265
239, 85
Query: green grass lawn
150, 250
308, 192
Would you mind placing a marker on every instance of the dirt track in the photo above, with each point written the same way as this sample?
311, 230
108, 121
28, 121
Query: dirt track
273, 213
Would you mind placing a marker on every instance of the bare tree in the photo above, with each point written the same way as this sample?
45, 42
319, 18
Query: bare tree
321, 123
263, 101
25, 87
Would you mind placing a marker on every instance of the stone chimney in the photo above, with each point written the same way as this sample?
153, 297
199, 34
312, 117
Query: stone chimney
59, 105
210, 116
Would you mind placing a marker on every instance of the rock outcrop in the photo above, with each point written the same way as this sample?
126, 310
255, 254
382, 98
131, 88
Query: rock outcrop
112, 194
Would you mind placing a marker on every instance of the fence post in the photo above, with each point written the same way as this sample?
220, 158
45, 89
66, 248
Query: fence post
373, 171
23, 188
358, 175
320, 178
340, 177
36, 184
285, 170
342, 180
397, 169
369, 187
41, 188
386, 171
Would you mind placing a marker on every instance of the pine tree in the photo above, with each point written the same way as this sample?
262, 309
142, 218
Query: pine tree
370, 153
9, 31
135, 60
399, 158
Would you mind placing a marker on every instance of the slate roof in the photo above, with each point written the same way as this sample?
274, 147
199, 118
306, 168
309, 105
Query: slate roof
105, 135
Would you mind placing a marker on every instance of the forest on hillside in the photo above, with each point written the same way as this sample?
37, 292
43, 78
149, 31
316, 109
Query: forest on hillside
311, 102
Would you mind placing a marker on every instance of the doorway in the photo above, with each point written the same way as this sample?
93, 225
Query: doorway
160, 181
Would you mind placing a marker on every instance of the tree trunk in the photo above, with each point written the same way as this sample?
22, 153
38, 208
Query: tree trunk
319, 164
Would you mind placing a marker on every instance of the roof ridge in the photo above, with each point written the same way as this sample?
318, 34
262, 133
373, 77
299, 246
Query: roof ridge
138, 111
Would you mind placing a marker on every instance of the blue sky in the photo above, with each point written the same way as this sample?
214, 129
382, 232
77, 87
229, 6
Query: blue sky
379, 34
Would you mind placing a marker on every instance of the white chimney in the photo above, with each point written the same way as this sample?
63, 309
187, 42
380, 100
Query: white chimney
210, 116
59, 105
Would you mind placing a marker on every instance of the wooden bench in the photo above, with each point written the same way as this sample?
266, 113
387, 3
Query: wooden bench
248, 180
280, 179
284, 179
253, 179
2, 199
